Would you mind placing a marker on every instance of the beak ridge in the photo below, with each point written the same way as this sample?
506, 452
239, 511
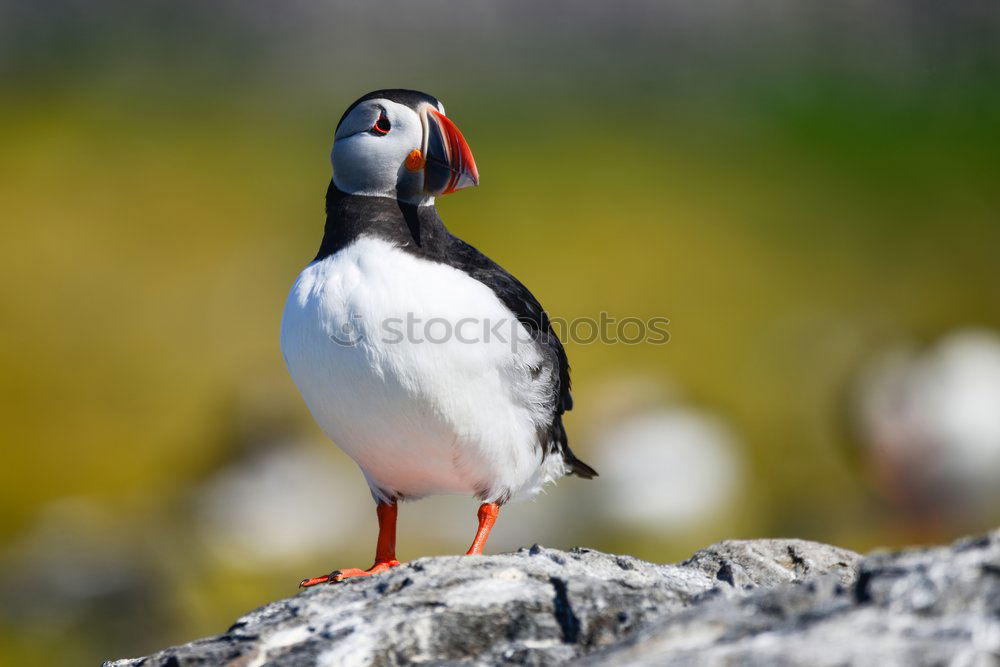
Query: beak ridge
450, 165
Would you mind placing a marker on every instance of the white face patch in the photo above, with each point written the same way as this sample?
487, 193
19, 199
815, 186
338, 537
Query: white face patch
370, 163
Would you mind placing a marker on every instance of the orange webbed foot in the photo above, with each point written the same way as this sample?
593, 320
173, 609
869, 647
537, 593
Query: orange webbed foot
340, 575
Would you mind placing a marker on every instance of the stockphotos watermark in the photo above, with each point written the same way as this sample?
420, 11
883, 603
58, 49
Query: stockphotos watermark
411, 329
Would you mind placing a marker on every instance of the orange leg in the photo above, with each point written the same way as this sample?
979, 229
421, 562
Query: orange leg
488, 513
385, 550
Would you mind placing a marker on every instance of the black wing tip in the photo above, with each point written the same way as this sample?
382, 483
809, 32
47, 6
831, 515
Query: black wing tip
581, 469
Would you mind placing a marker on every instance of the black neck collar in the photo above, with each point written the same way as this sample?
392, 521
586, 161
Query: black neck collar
350, 216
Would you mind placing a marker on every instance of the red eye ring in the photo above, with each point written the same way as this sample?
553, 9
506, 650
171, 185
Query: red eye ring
382, 125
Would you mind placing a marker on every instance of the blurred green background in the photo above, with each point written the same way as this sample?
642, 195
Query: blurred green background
800, 188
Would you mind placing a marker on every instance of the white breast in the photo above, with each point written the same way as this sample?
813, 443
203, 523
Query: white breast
420, 412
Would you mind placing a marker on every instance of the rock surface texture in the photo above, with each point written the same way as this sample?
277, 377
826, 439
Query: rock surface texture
761, 602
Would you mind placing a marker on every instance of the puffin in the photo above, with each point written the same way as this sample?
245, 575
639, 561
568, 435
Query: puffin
427, 363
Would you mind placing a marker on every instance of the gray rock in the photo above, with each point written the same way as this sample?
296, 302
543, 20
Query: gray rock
938, 606
755, 563
761, 602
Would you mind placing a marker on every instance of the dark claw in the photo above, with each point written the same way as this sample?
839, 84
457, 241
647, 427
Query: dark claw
334, 577
314, 581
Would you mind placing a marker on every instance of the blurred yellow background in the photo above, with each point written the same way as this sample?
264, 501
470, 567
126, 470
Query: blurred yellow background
809, 192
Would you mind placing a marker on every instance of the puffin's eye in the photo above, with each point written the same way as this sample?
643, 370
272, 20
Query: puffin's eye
382, 125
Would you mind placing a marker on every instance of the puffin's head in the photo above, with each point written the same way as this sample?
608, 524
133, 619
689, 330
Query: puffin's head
398, 143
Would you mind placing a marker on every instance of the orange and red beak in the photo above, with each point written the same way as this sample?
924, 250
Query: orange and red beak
449, 165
